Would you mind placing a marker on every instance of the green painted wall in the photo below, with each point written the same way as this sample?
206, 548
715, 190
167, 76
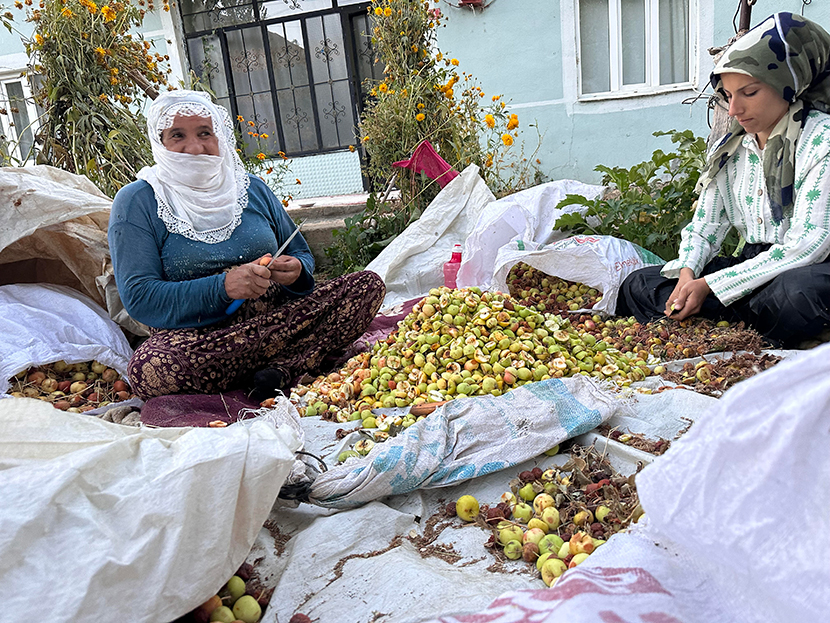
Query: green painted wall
525, 50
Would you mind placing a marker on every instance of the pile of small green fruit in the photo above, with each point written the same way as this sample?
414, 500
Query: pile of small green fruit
538, 290
549, 519
231, 605
461, 343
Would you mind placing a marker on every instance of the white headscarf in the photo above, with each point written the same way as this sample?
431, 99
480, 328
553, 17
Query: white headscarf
200, 197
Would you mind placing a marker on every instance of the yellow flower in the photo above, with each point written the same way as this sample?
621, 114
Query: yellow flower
382, 87
420, 105
513, 123
38, 39
490, 120
420, 116
387, 12
264, 135
101, 51
285, 202
67, 12
503, 104
103, 97
251, 123
281, 154
107, 13
373, 92
439, 56
507, 139
378, 11
489, 161
240, 118
351, 148
414, 47
454, 62
18, 4
496, 97
261, 156
365, 139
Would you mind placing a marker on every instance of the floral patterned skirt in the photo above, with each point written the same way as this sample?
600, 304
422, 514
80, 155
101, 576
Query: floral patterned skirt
294, 335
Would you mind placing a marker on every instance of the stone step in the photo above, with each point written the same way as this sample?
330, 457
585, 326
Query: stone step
320, 216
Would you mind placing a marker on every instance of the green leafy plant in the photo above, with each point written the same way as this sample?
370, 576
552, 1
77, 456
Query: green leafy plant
648, 204
368, 233
90, 65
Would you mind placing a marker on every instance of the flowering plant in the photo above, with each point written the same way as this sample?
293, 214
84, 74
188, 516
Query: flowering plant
89, 65
424, 97
251, 149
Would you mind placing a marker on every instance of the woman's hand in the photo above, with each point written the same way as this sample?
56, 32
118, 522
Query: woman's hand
286, 269
249, 281
688, 295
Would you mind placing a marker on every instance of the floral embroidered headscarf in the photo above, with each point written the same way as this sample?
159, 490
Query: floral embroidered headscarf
792, 55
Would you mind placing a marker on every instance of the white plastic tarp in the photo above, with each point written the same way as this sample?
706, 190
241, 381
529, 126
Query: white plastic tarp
528, 215
53, 229
413, 262
41, 324
735, 529
108, 522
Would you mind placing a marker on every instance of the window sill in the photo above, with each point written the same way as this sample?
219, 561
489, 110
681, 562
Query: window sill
643, 91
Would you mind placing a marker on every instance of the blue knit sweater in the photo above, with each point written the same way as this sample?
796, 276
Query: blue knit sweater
168, 281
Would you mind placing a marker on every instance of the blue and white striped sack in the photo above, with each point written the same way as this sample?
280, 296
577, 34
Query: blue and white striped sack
468, 438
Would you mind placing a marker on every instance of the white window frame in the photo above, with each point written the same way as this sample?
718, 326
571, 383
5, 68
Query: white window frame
9, 131
652, 84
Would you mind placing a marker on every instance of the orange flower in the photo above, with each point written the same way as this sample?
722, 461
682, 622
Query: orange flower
240, 118
67, 12
299, 182
507, 139
264, 135
251, 123
454, 62
269, 170
490, 121
351, 148
261, 156
513, 123
420, 116
107, 13
285, 202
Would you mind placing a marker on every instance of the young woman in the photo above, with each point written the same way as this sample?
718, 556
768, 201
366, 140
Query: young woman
769, 178
185, 239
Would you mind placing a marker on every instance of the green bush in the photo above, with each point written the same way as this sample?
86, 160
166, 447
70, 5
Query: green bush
648, 204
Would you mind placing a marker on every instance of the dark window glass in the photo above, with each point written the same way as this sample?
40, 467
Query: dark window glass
297, 72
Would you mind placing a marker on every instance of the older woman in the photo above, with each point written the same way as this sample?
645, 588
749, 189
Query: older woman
185, 239
768, 177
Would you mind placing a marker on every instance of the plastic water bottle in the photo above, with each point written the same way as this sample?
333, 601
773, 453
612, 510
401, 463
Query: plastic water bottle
451, 267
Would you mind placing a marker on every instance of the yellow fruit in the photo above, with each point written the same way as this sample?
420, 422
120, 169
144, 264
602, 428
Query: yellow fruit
467, 507
236, 588
247, 609
222, 614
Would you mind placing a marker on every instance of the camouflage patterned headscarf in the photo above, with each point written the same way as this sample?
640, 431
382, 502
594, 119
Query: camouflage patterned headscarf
792, 55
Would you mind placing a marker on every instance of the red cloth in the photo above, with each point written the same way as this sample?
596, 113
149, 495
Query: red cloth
195, 409
427, 161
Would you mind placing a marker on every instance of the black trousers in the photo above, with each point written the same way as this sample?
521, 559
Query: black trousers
791, 308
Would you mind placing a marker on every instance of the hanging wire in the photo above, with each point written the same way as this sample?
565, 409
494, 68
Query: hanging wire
804, 4
735, 17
